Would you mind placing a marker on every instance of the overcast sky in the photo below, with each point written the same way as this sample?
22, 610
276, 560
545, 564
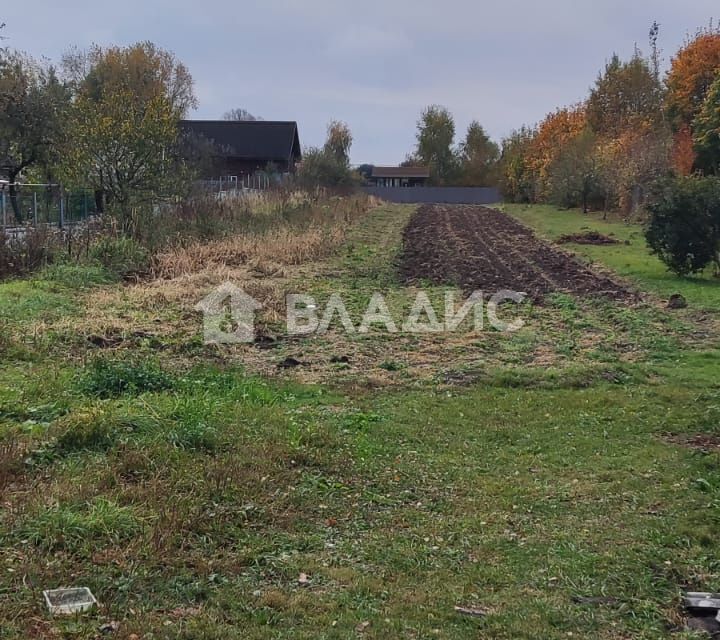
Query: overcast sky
376, 63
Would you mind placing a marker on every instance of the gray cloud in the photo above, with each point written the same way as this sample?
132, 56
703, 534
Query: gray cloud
374, 64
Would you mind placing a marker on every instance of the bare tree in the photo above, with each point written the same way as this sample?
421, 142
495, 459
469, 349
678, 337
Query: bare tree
240, 115
3, 50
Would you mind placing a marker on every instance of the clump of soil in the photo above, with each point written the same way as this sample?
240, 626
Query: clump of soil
677, 301
588, 237
484, 249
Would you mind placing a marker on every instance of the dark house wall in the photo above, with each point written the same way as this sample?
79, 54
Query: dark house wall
243, 148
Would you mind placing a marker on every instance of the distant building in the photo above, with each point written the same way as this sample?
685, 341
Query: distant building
399, 176
242, 147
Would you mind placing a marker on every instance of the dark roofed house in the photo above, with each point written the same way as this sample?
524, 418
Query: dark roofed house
242, 147
400, 176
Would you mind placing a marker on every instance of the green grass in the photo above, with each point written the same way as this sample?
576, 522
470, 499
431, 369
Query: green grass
632, 260
30, 299
79, 526
190, 497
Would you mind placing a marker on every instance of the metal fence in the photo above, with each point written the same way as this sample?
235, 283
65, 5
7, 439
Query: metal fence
255, 182
428, 195
44, 204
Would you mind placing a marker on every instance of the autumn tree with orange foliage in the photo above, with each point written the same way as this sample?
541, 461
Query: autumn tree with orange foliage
633, 140
693, 70
553, 134
604, 152
683, 152
529, 153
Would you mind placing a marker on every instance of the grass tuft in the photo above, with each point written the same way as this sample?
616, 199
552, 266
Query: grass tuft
193, 428
91, 430
71, 527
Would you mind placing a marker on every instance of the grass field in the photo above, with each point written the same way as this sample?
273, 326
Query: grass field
632, 260
564, 480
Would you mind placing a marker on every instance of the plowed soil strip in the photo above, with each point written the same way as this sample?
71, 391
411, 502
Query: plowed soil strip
484, 249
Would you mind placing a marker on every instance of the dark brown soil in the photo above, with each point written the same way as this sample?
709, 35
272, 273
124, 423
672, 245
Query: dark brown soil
483, 249
700, 441
589, 237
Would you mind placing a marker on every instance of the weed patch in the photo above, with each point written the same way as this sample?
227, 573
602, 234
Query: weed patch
105, 378
122, 257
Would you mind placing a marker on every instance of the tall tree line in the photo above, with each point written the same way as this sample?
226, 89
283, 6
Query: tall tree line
634, 128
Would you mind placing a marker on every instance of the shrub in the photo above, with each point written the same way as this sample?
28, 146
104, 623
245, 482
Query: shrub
28, 250
112, 378
320, 168
122, 257
684, 228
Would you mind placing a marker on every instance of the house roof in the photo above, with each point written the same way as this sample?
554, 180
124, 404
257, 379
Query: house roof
246, 139
401, 172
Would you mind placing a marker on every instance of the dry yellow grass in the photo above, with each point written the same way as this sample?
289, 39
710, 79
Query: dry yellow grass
263, 264
282, 246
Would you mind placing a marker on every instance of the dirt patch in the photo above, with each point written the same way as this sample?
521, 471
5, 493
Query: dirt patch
483, 249
700, 441
114, 338
588, 237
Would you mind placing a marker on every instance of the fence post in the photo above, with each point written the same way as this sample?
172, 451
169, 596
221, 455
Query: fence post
2, 202
35, 215
61, 219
